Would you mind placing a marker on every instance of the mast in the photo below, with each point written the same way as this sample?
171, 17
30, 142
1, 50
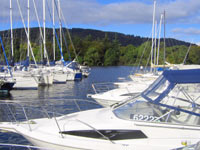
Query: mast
28, 26
20, 11
59, 15
54, 51
154, 11
155, 45
164, 39
11, 34
44, 28
161, 17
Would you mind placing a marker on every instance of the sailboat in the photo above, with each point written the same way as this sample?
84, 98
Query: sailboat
6, 78
71, 67
28, 77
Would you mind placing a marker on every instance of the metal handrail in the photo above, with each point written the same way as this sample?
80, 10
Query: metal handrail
103, 87
93, 128
44, 111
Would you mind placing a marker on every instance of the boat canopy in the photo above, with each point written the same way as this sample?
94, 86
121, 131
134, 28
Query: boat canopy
174, 91
168, 80
182, 76
184, 79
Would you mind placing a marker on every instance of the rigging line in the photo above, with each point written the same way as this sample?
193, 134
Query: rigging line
148, 60
66, 45
40, 29
62, 58
68, 33
26, 32
145, 48
171, 45
5, 57
184, 61
63, 32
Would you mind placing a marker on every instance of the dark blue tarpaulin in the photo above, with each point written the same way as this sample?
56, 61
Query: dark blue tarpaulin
182, 76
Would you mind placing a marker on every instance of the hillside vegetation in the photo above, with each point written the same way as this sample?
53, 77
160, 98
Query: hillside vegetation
98, 48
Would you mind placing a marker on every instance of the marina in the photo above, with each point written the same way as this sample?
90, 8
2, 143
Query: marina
82, 88
170, 104
61, 97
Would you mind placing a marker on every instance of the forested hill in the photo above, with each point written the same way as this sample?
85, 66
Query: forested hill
95, 47
123, 39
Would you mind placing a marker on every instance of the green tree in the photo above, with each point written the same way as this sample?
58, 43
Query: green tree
194, 55
92, 57
112, 54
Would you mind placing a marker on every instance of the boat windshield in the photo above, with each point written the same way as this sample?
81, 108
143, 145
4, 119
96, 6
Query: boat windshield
164, 101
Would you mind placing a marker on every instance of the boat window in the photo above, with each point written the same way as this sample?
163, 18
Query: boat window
139, 110
177, 105
110, 134
161, 85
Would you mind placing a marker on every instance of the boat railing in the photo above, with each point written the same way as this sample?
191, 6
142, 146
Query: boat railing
16, 112
94, 129
103, 87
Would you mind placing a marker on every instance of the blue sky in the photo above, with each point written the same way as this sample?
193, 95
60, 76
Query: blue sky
133, 17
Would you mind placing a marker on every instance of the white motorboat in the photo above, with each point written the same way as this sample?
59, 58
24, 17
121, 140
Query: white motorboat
155, 119
124, 90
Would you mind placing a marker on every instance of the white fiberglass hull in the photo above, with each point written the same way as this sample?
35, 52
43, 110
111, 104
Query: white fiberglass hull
45, 133
44, 79
24, 80
25, 83
124, 92
98, 146
48, 145
59, 78
70, 76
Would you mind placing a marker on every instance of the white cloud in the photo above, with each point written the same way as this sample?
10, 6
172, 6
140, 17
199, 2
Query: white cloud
188, 31
93, 13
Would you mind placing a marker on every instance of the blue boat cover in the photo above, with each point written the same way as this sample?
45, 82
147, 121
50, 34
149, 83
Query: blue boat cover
182, 76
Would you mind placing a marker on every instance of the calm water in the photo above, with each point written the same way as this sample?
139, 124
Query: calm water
61, 97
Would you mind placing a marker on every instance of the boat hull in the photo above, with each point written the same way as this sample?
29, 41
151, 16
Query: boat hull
48, 145
25, 83
59, 78
7, 86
